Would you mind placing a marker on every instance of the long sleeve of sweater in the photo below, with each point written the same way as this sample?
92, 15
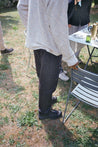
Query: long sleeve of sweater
47, 27
57, 13
23, 11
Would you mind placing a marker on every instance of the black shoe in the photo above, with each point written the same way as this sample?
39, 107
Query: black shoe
54, 100
7, 51
50, 114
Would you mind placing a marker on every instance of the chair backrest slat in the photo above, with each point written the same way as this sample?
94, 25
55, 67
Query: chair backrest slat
85, 78
85, 73
91, 75
85, 84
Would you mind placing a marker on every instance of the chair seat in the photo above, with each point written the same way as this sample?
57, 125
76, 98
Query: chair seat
86, 95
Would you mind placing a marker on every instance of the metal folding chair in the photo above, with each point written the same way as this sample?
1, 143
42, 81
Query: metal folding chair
86, 89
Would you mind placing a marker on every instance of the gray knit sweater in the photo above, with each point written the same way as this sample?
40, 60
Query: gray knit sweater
47, 27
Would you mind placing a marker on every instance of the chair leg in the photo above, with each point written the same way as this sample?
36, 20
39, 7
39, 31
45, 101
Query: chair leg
66, 107
67, 98
64, 120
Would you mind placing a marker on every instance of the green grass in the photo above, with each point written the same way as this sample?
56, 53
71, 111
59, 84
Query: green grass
11, 140
35, 95
3, 121
19, 123
28, 119
4, 67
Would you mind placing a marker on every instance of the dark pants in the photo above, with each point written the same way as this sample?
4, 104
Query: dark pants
47, 67
61, 68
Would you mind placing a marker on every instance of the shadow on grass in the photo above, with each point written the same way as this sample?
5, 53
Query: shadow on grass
6, 77
62, 136
8, 22
93, 140
58, 134
89, 112
5, 10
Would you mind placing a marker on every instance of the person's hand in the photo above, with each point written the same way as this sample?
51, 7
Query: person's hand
88, 24
69, 25
76, 1
75, 67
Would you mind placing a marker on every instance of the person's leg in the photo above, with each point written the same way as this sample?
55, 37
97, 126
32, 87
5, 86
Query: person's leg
73, 45
48, 79
76, 47
47, 72
79, 45
61, 68
62, 74
2, 47
37, 54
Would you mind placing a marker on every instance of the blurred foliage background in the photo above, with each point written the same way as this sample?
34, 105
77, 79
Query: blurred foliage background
13, 3
8, 3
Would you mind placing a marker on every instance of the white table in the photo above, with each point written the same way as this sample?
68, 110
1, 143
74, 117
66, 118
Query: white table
80, 37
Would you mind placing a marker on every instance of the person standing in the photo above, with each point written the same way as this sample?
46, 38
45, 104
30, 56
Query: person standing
78, 19
3, 49
47, 34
